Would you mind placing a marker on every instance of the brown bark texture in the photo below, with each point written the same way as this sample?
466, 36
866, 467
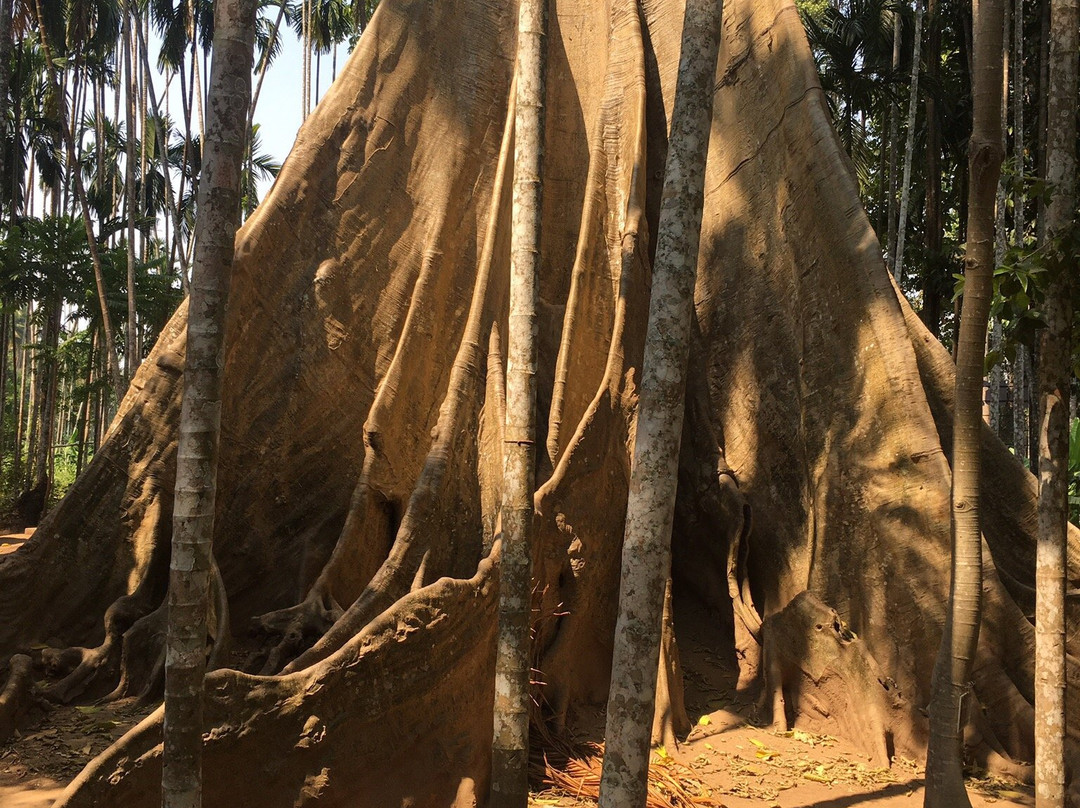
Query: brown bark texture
360, 468
1055, 376
960, 640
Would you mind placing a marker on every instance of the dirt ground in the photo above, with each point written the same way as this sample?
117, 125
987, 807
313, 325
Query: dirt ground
726, 761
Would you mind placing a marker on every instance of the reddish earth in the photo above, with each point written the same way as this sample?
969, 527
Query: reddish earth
726, 760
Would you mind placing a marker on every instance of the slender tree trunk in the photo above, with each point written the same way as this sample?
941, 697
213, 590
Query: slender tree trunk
646, 554
95, 257
131, 361
510, 742
1019, 225
934, 229
24, 372
200, 418
909, 146
5, 378
1055, 374
952, 672
6, 10
1001, 231
894, 136
171, 201
88, 399
1044, 96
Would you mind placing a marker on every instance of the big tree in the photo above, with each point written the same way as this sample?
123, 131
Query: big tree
361, 467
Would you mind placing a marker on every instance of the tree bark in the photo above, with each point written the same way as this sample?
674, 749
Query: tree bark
909, 146
513, 658
1055, 372
200, 419
131, 361
115, 376
894, 136
7, 8
934, 229
952, 671
646, 551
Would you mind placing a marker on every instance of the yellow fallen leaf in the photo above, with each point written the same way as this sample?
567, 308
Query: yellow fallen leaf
704, 721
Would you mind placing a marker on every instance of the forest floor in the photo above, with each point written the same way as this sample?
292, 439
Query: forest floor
726, 761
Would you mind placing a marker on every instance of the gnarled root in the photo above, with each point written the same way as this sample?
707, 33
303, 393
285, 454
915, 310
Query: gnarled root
131, 659
298, 628
17, 696
329, 734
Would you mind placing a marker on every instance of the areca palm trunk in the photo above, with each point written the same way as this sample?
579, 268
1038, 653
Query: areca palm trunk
115, 376
130, 352
510, 742
1055, 376
646, 553
952, 671
200, 418
6, 10
909, 145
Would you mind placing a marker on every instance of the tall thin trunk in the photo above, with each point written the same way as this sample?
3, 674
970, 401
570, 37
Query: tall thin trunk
88, 398
646, 554
24, 368
1001, 230
952, 671
162, 138
264, 67
95, 257
894, 136
510, 742
909, 145
6, 10
1042, 101
200, 418
5, 378
934, 227
1055, 374
1021, 401
131, 361
1018, 119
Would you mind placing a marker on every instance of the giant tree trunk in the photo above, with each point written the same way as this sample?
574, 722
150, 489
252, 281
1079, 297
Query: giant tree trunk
360, 466
1055, 376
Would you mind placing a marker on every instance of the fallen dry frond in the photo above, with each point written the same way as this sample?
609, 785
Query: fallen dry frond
574, 770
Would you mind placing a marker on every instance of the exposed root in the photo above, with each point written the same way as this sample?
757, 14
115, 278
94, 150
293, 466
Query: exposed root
17, 696
670, 720
299, 627
131, 659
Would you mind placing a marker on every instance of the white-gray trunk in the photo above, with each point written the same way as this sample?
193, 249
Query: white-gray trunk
131, 360
1055, 372
646, 554
510, 742
1021, 367
200, 418
894, 135
1018, 118
909, 145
